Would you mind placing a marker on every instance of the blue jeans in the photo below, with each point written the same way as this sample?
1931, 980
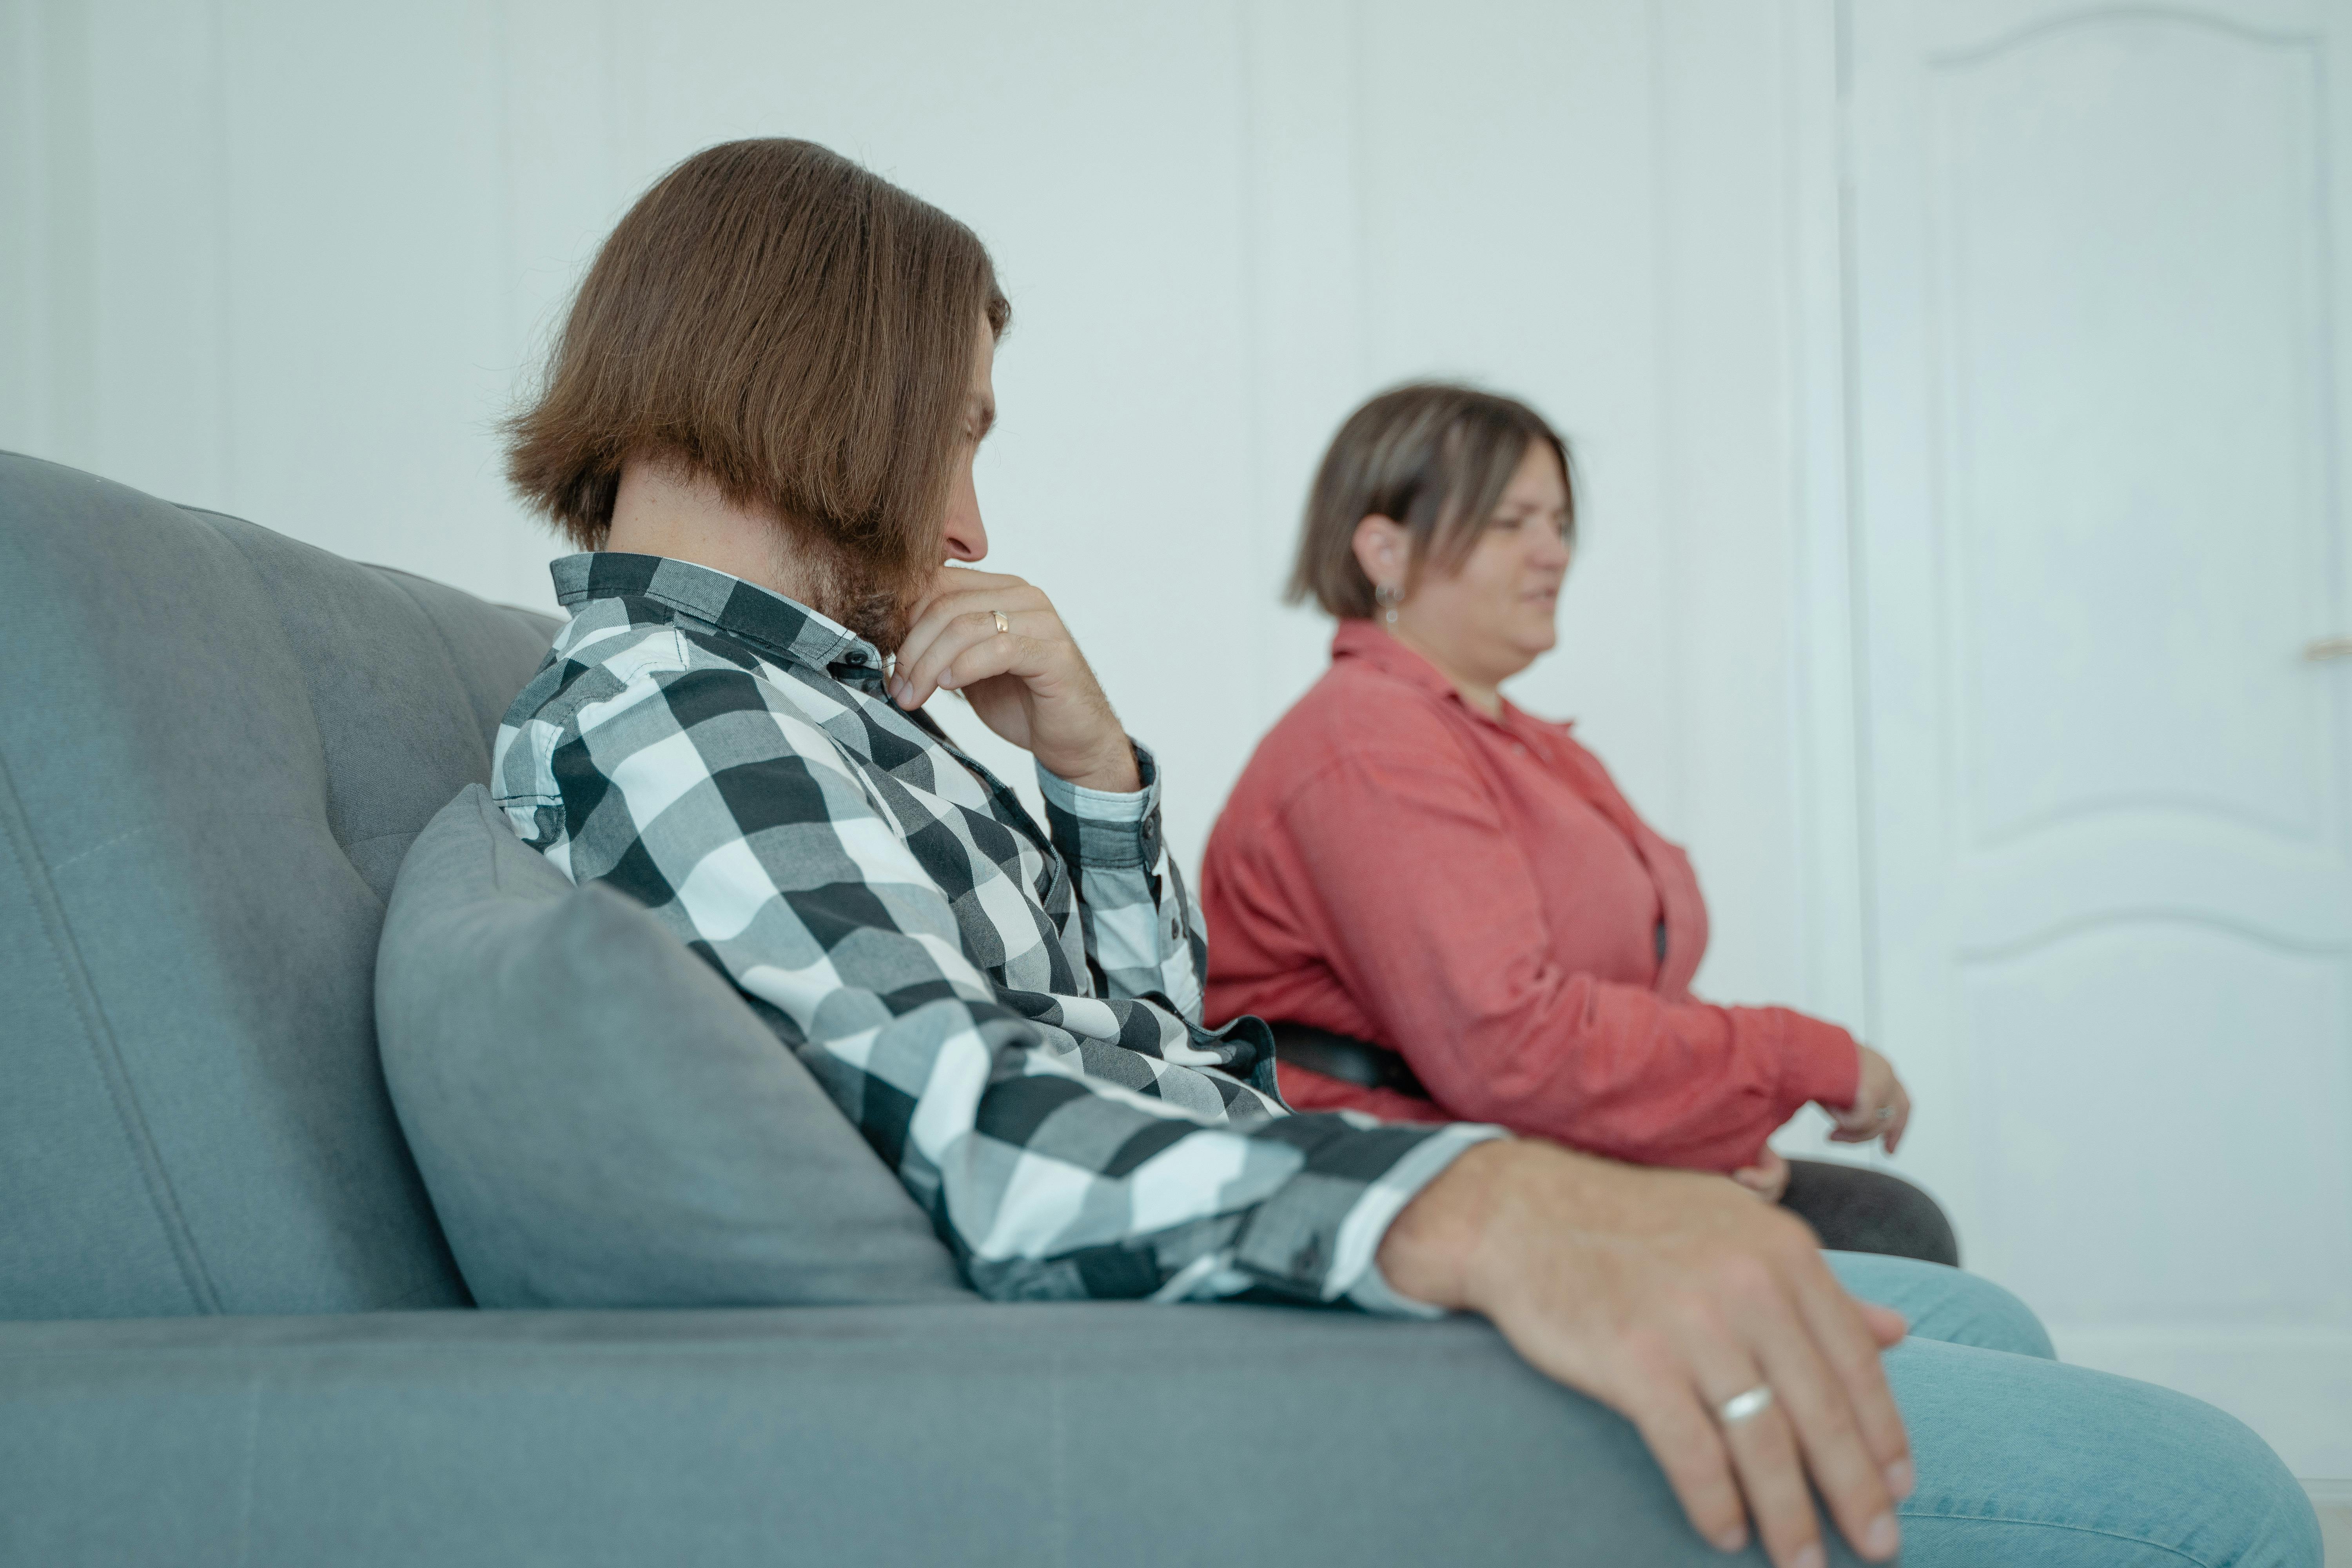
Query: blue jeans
2023, 1462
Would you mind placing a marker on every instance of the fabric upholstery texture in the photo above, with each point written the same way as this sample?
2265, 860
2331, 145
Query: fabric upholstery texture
601, 1118
215, 746
974, 1434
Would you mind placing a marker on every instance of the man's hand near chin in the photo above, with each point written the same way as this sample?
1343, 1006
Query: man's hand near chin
999, 640
1664, 1294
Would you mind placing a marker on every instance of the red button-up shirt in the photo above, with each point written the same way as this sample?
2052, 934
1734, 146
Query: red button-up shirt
1476, 893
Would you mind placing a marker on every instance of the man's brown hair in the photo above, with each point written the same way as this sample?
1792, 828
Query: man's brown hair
787, 324
1433, 457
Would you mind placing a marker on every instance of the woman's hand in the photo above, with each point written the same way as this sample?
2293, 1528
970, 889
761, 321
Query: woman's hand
1881, 1105
1768, 1178
1022, 673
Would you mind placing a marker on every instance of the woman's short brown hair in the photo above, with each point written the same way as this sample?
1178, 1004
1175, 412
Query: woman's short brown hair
1433, 457
790, 325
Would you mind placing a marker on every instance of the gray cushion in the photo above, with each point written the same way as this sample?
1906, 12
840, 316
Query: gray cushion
601, 1117
216, 744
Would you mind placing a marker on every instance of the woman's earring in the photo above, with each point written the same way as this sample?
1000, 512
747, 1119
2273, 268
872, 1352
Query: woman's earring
1388, 597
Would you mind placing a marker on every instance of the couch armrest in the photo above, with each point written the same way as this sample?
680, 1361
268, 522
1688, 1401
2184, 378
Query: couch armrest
956, 1434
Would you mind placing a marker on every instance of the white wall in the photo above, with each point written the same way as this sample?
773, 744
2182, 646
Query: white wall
293, 262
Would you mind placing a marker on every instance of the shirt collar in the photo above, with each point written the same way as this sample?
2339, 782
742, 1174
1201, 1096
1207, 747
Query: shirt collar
783, 627
1370, 641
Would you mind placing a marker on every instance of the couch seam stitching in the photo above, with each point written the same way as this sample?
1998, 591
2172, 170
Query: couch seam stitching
98, 1036
236, 546
394, 577
87, 851
455, 669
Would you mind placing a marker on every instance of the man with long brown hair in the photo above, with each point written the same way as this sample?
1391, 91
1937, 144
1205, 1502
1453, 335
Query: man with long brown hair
759, 425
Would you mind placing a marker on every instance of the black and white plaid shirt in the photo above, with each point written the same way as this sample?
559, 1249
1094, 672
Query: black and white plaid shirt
1011, 1018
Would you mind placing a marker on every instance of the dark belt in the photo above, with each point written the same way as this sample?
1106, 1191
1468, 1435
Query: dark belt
1345, 1058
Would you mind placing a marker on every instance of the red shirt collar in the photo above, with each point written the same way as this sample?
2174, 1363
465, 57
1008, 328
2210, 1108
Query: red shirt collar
1370, 641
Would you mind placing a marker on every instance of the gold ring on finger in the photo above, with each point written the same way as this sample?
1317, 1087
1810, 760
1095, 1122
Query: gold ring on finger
1002, 623
1745, 1406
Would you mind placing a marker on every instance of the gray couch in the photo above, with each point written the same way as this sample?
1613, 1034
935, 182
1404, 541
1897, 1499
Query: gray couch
235, 1331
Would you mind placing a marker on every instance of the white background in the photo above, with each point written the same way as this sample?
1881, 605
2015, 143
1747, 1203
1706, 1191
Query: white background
294, 261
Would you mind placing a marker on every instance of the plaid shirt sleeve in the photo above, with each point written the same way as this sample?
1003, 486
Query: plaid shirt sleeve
700, 789
1144, 935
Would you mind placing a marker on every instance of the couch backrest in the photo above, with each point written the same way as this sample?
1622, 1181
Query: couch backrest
215, 746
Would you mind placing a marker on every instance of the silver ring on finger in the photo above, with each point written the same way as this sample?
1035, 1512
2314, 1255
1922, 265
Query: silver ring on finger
1745, 1406
1885, 1112
1002, 623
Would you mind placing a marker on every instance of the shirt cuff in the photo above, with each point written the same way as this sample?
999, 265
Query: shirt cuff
1368, 1225
1320, 1235
1098, 827
1818, 1061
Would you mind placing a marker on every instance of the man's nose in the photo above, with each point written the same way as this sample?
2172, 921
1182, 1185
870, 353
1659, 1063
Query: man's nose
967, 537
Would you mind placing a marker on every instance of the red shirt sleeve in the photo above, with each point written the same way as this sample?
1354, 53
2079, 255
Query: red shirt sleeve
1433, 924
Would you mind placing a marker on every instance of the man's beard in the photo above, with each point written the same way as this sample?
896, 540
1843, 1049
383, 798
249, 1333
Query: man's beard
872, 599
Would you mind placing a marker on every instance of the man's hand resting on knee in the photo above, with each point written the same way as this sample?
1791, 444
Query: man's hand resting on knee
1664, 1294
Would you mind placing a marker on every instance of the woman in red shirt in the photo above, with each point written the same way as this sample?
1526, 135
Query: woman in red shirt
1445, 905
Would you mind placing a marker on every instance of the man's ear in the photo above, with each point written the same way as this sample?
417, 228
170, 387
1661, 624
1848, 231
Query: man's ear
1384, 550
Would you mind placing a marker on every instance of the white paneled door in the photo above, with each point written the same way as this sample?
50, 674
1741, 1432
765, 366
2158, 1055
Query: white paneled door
2098, 404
